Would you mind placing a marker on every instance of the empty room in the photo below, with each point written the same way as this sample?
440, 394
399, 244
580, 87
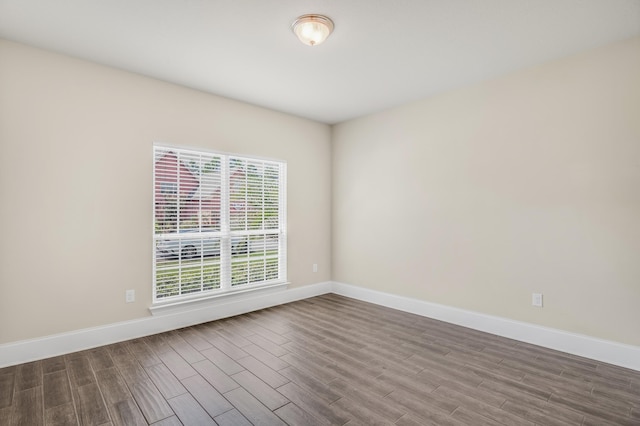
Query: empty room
279, 212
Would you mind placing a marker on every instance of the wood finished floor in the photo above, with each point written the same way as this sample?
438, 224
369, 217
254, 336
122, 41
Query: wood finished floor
325, 360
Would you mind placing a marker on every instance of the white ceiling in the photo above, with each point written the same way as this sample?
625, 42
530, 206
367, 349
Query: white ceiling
382, 53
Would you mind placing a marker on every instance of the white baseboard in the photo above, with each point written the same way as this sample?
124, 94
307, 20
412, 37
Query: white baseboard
602, 350
59, 344
589, 347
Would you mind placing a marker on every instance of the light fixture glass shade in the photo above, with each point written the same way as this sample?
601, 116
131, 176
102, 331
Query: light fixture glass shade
312, 29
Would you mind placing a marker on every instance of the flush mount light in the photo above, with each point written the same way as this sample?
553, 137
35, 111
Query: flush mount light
312, 29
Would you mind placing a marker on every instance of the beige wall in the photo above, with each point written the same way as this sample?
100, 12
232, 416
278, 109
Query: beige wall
478, 197
473, 199
75, 185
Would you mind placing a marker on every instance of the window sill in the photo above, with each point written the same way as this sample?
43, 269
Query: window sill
211, 300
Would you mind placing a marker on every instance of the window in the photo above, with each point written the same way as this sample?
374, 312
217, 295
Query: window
219, 223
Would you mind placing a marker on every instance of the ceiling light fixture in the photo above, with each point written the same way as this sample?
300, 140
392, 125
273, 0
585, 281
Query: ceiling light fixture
312, 29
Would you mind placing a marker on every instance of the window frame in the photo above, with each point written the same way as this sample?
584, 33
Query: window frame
226, 235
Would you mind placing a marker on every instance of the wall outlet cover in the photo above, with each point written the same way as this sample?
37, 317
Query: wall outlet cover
536, 300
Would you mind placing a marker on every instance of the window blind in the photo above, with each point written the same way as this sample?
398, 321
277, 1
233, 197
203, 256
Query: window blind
219, 223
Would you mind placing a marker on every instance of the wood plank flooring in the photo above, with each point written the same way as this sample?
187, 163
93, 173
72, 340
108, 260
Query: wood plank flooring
328, 360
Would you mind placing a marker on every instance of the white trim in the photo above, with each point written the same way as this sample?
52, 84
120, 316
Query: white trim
214, 151
199, 301
627, 356
58, 344
620, 354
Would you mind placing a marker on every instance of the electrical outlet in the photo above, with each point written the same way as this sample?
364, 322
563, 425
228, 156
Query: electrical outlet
536, 299
315, 267
130, 296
